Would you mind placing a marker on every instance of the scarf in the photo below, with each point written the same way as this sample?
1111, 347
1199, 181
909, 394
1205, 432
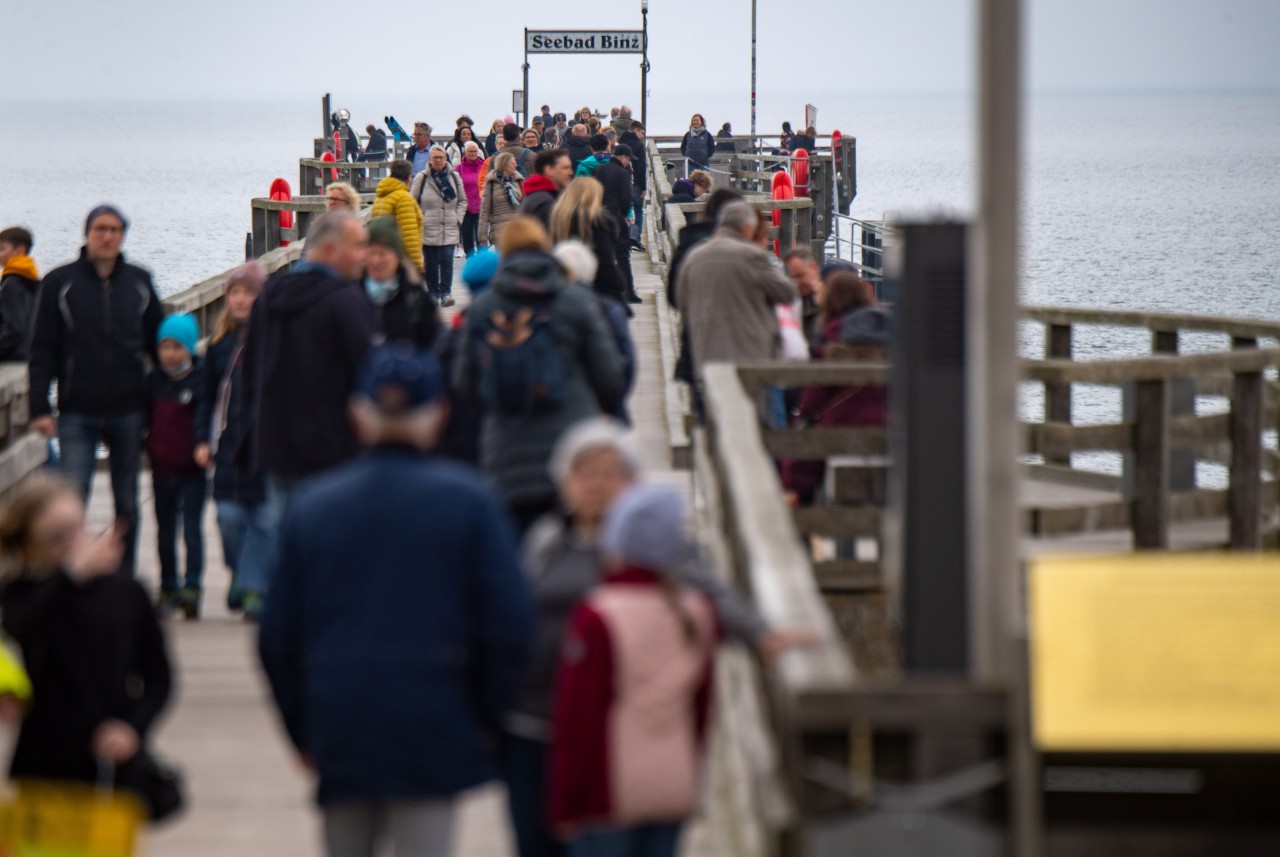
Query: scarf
509, 184
444, 184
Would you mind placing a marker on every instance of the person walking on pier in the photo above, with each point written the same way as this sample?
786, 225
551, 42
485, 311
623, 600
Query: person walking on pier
552, 172
94, 333
246, 521
178, 478
469, 171
503, 190
420, 151
698, 145
394, 698
394, 199
19, 284
443, 202
634, 140
395, 288
579, 145
308, 336
614, 173
580, 213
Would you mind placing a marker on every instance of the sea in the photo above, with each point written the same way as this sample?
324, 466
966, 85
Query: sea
1137, 200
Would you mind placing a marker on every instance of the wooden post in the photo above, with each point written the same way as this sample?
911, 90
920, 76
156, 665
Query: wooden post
1151, 466
1057, 397
259, 231
271, 231
302, 221
787, 231
1244, 498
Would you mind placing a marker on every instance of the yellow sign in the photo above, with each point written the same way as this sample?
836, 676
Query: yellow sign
1156, 652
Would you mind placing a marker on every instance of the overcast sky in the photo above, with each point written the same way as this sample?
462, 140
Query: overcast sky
269, 48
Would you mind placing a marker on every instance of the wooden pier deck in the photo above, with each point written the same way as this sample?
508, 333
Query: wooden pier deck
248, 794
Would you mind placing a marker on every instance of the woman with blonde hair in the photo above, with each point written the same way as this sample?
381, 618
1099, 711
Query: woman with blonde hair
341, 196
501, 195
579, 213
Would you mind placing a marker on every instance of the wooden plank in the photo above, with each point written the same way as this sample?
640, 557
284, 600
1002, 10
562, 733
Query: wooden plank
1057, 397
1151, 466
1245, 499
824, 373
821, 441
912, 704
1058, 440
676, 399
1074, 520
1245, 327
1150, 368
851, 484
313, 203
838, 522
843, 575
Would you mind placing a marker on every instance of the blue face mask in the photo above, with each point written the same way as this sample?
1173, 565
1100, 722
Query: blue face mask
179, 371
378, 290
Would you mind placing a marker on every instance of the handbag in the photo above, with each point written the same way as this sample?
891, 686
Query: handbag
158, 785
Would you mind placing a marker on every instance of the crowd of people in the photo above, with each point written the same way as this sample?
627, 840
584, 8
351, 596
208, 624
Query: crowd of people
442, 526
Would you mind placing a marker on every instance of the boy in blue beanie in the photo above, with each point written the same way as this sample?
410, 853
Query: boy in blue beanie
179, 483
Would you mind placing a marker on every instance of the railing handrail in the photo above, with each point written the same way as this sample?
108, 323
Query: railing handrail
1156, 321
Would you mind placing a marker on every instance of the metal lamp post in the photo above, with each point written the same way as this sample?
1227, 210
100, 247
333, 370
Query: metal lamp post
644, 63
753, 70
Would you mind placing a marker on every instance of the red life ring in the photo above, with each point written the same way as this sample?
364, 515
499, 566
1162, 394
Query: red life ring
782, 190
328, 158
800, 172
280, 192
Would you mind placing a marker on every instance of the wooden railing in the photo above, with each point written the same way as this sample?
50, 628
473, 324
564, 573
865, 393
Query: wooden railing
267, 233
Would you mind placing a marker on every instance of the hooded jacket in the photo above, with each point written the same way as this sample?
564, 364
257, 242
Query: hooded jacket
515, 449
540, 195
579, 150
636, 145
588, 165
469, 172
393, 198
223, 401
94, 336
19, 284
440, 219
308, 336
618, 198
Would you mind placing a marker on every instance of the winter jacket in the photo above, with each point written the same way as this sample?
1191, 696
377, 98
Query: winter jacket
803, 141
588, 165
308, 337
638, 173
393, 198
603, 241
461, 440
728, 289
491, 145
724, 143
396, 694
171, 439
862, 405
579, 150
222, 421
515, 449
19, 285
94, 336
441, 221
691, 236
418, 158
496, 207
682, 191
562, 569
95, 652
698, 147
377, 144
524, 158
617, 182
469, 171
409, 314
540, 195
632, 698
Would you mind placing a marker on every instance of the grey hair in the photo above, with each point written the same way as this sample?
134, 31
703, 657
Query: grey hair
579, 263
738, 216
437, 147
593, 435
470, 144
328, 228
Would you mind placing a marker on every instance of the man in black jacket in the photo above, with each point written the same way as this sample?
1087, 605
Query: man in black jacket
615, 174
308, 336
552, 172
19, 283
94, 333
634, 140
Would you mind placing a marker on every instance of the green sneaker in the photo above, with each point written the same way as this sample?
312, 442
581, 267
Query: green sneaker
189, 602
252, 607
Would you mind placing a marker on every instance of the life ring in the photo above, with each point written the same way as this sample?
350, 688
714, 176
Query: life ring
281, 192
782, 190
800, 172
329, 158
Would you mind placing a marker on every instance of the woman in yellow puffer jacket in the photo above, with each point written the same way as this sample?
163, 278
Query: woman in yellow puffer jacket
393, 198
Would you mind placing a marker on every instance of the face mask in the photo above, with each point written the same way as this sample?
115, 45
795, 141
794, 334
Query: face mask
179, 371
378, 290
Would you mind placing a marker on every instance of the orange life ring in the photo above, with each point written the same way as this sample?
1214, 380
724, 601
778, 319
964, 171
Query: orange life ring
281, 192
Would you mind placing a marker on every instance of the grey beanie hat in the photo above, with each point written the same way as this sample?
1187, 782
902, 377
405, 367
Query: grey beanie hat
645, 527
105, 208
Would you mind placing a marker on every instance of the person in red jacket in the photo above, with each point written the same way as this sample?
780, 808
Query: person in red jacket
179, 482
633, 690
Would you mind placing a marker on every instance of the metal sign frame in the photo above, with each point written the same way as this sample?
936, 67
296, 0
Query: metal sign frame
643, 51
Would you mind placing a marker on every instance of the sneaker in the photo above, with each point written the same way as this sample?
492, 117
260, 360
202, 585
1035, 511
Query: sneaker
166, 603
252, 607
189, 601
448, 301
637, 246
235, 599
634, 298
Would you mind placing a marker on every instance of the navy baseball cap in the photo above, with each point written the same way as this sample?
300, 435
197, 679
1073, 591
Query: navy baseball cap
397, 379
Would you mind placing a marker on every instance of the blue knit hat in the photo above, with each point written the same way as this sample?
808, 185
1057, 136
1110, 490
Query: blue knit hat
480, 269
105, 208
645, 527
398, 379
183, 329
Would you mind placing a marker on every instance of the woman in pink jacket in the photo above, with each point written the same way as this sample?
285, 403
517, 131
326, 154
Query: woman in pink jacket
469, 169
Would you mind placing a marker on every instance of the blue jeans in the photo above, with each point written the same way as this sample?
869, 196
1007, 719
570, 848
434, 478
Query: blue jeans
248, 543
439, 261
645, 840
78, 437
523, 762
470, 232
637, 204
185, 496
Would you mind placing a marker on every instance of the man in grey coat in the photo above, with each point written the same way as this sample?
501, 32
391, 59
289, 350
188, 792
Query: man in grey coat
728, 288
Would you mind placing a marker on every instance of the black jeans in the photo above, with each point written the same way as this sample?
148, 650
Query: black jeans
183, 495
470, 231
623, 253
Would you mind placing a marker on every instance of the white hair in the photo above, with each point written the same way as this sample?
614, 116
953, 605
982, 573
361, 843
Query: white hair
593, 435
579, 263
470, 144
738, 216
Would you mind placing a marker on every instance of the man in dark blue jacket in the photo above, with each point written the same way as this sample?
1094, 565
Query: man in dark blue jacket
94, 333
308, 336
399, 621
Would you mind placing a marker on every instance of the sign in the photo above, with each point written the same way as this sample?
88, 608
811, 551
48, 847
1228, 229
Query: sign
1156, 652
810, 116
584, 41
517, 101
